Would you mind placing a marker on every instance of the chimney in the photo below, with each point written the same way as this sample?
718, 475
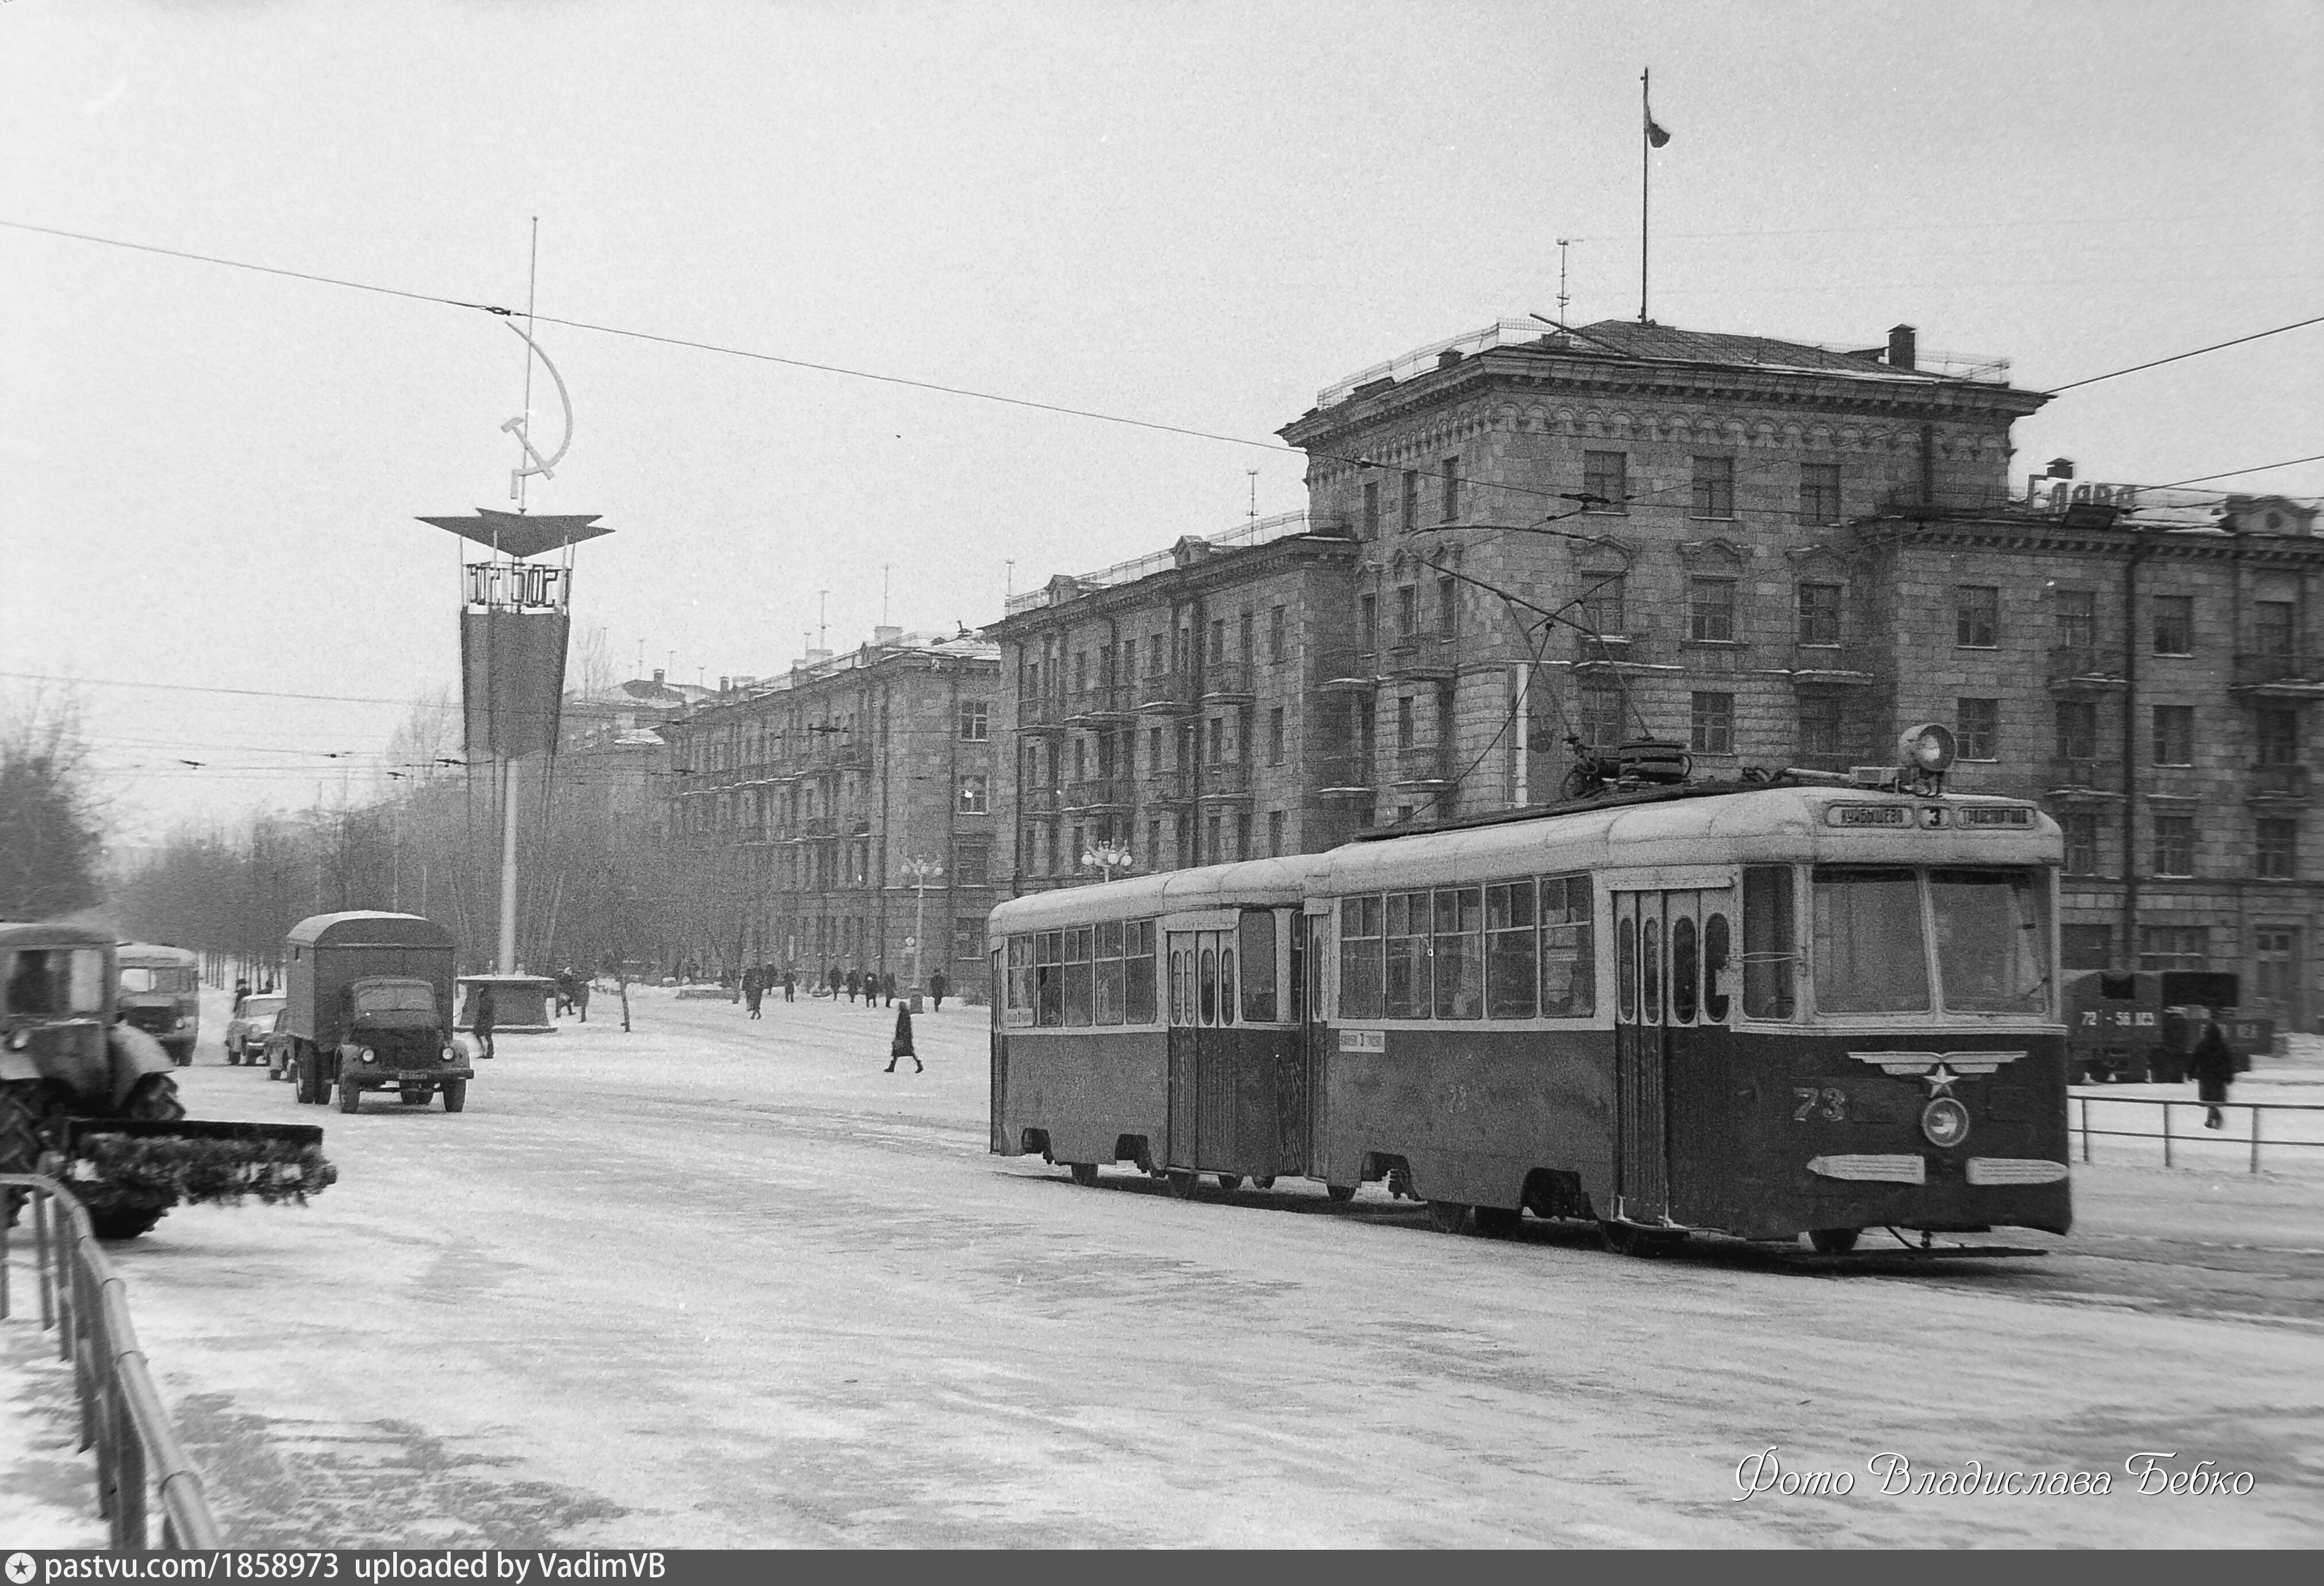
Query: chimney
1904, 347
725, 685
657, 677
2061, 467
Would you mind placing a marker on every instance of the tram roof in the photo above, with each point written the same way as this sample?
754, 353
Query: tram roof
1252, 883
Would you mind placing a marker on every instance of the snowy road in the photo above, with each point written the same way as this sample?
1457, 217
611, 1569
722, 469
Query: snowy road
725, 1283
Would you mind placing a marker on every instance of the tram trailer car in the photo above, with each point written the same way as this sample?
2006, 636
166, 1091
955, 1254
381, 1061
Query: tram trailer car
1760, 1010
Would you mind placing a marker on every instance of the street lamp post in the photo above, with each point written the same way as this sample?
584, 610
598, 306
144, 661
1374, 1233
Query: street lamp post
919, 872
1108, 858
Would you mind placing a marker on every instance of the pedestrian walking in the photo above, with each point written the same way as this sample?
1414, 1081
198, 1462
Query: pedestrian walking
937, 987
482, 1022
790, 985
855, 984
753, 989
241, 989
2213, 1066
831, 979
887, 986
902, 1046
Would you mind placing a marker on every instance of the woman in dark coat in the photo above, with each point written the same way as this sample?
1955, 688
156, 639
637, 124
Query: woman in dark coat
2214, 1068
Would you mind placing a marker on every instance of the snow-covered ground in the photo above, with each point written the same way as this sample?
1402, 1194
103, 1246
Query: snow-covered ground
722, 1283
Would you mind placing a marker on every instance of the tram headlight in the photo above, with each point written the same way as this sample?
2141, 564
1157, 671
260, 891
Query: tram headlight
1929, 747
1945, 1121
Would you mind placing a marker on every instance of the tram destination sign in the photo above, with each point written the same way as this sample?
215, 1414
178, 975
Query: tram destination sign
1930, 817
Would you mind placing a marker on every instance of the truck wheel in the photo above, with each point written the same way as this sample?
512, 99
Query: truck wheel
455, 1094
350, 1094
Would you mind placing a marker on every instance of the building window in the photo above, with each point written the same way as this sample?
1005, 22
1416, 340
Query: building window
1714, 487
975, 721
1711, 609
2078, 730
971, 864
1820, 724
2174, 845
1403, 722
1407, 611
2279, 735
1713, 723
1605, 479
2175, 734
1819, 613
1246, 645
1274, 636
1372, 509
2174, 624
1977, 726
1411, 501
1451, 490
1273, 834
1601, 604
2174, 947
1601, 710
1818, 493
1368, 622
1977, 616
1217, 651
2077, 619
2081, 844
1242, 835
973, 796
2273, 629
1275, 736
1218, 740
1154, 844
2279, 848
1154, 656
2085, 947
1447, 608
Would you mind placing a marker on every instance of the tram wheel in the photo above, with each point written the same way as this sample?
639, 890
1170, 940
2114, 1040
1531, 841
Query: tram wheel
1448, 1216
1340, 1193
1229, 1183
1833, 1242
1084, 1173
1499, 1222
1182, 1182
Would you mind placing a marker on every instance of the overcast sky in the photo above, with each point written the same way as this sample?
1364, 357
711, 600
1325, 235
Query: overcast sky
1196, 214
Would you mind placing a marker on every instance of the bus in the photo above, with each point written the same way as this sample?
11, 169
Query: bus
160, 993
1768, 1010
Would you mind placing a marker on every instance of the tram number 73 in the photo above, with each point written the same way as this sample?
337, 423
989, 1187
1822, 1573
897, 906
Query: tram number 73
1830, 1103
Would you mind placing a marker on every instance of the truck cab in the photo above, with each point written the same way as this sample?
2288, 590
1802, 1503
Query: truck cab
159, 991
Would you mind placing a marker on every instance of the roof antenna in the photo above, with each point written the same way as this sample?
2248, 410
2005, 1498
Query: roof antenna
1564, 297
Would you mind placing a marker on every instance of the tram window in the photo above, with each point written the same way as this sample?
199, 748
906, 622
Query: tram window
1256, 934
1993, 940
1510, 966
1650, 971
1079, 1003
1714, 966
1049, 977
1460, 957
1871, 954
1569, 965
1210, 1008
1626, 967
1226, 985
1770, 948
1359, 957
1021, 977
1682, 971
1137, 972
1109, 973
1407, 988
1182, 1005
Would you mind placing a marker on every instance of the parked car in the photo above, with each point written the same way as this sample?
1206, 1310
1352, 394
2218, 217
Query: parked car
246, 1032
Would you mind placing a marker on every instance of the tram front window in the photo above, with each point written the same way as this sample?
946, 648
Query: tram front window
1993, 942
1870, 955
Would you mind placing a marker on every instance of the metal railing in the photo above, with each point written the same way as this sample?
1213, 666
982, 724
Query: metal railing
121, 1414
2254, 1135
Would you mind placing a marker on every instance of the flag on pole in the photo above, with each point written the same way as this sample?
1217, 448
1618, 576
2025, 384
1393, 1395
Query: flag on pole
1656, 135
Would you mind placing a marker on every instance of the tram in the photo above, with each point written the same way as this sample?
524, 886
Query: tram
1762, 1009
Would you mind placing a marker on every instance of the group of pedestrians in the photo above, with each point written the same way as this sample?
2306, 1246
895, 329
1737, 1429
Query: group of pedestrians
760, 981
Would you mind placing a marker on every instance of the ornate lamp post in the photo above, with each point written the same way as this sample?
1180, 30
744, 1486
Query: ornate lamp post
1108, 857
919, 872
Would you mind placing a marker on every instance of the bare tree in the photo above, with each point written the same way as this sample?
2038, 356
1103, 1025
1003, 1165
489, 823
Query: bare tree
52, 839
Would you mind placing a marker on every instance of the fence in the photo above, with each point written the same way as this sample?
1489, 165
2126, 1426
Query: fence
2199, 1145
121, 1415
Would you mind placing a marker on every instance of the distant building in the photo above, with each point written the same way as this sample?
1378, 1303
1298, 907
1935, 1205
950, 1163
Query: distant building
815, 788
610, 760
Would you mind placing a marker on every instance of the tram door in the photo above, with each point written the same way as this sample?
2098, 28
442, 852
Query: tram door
1647, 998
1202, 1000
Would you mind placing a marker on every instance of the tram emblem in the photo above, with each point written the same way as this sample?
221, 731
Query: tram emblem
1938, 1070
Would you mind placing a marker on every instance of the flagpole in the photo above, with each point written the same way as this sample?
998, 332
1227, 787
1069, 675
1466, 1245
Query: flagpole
1645, 184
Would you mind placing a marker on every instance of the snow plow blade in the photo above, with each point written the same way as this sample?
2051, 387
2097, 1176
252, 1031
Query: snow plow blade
147, 1165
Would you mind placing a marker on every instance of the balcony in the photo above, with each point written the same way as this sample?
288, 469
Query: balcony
2279, 676
1346, 775
1107, 701
1164, 693
1419, 657
1830, 666
1038, 800
1227, 682
2074, 775
1170, 786
1041, 713
2274, 784
2082, 669
1098, 793
1227, 780
1720, 656
1595, 650
1421, 767
1347, 671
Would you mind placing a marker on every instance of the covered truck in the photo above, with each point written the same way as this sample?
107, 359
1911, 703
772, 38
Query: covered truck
90, 1098
370, 1008
160, 991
